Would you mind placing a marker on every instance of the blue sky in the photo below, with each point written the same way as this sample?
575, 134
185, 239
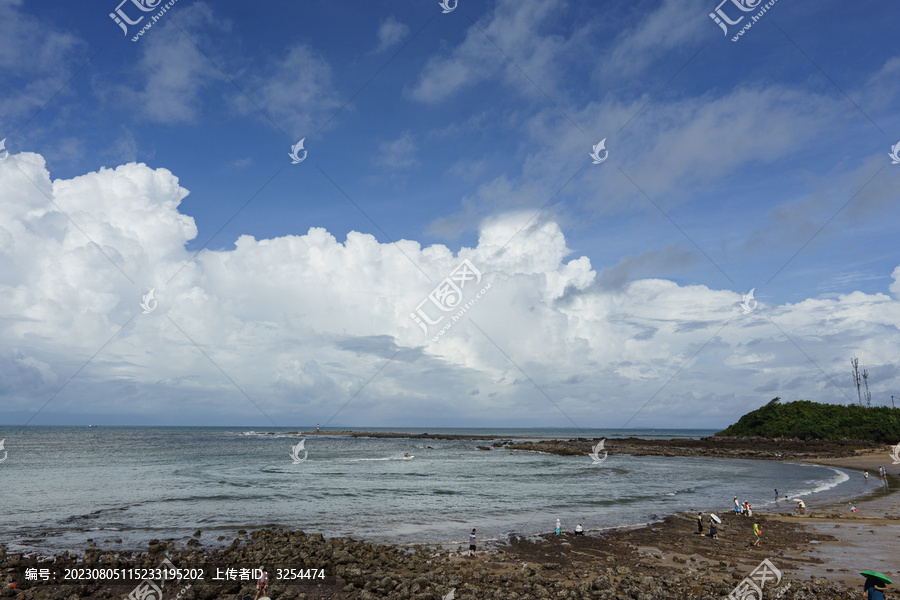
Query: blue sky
762, 163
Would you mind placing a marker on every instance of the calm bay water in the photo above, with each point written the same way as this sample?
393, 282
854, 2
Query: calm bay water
62, 485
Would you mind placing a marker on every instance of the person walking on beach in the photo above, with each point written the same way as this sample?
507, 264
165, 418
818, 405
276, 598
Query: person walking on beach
737, 506
262, 584
472, 543
757, 530
713, 530
558, 527
700, 523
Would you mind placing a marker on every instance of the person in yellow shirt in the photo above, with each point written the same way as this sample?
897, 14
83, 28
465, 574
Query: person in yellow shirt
756, 532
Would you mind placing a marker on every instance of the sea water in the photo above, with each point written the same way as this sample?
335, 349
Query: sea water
61, 486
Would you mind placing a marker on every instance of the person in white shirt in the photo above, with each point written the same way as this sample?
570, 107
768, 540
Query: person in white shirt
262, 584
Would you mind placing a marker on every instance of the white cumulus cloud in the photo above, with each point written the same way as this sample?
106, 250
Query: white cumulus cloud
390, 33
288, 330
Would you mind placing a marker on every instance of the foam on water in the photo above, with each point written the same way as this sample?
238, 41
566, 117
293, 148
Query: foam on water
839, 478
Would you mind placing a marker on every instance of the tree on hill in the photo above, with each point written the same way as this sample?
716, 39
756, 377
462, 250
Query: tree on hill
812, 420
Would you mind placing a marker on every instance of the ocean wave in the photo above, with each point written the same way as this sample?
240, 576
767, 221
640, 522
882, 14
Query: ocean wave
824, 485
599, 470
272, 434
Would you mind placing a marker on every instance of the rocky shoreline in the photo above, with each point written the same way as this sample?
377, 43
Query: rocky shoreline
755, 448
662, 561
395, 435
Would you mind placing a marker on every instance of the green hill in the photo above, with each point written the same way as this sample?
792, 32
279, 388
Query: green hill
811, 420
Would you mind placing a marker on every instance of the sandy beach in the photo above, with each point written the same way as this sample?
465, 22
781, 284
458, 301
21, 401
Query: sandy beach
870, 537
819, 555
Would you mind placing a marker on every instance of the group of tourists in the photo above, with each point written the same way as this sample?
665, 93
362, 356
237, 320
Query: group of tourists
714, 529
579, 530
745, 508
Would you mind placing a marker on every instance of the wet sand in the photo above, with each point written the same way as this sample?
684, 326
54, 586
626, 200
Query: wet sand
868, 539
828, 542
